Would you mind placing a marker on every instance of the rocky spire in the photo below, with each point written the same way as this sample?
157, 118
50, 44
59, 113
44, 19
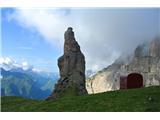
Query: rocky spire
154, 48
72, 69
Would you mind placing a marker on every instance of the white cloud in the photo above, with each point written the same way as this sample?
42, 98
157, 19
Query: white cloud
103, 34
25, 65
36, 70
8, 63
5, 60
48, 23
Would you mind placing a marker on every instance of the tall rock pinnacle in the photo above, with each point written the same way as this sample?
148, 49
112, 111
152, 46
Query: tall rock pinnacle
72, 69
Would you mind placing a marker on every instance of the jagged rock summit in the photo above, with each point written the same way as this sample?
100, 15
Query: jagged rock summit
72, 69
145, 61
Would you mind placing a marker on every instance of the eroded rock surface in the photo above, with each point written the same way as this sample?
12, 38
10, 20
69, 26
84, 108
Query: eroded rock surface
72, 69
146, 61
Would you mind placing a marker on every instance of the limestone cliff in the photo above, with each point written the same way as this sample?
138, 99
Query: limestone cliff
72, 69
146, 61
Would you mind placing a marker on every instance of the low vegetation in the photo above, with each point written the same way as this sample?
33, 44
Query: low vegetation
143, 99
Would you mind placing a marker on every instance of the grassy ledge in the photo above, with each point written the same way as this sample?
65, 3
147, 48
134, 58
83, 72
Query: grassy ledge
143, 99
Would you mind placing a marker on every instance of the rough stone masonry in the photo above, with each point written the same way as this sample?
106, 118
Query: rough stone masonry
72, 69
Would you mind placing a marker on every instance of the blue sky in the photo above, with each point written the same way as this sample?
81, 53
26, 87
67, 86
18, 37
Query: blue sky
36, 35
22, 44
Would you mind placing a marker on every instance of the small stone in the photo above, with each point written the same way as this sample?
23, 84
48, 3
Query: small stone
149, 98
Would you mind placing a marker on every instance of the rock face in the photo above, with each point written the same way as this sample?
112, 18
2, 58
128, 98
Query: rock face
72, 69
146, 61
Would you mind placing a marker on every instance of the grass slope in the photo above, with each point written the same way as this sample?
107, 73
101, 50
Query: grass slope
143, 99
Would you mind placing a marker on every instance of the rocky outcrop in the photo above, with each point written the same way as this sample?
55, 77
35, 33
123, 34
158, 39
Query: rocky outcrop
146, 61
72, 69
154, 48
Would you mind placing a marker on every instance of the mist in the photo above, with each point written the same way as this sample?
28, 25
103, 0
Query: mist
104, 34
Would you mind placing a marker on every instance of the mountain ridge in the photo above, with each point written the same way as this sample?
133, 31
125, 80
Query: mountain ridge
145, 60
29, 84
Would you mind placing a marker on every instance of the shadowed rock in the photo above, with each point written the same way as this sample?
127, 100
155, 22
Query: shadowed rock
72, 69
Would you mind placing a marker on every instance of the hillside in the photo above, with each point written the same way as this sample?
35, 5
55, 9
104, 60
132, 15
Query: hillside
143, 99
145, 60
28, 84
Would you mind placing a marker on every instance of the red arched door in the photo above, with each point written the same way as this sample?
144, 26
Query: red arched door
134, 80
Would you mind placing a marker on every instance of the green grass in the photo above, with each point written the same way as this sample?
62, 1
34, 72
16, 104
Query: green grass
143, 99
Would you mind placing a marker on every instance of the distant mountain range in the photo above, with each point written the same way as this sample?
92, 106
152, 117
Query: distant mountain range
25, 81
